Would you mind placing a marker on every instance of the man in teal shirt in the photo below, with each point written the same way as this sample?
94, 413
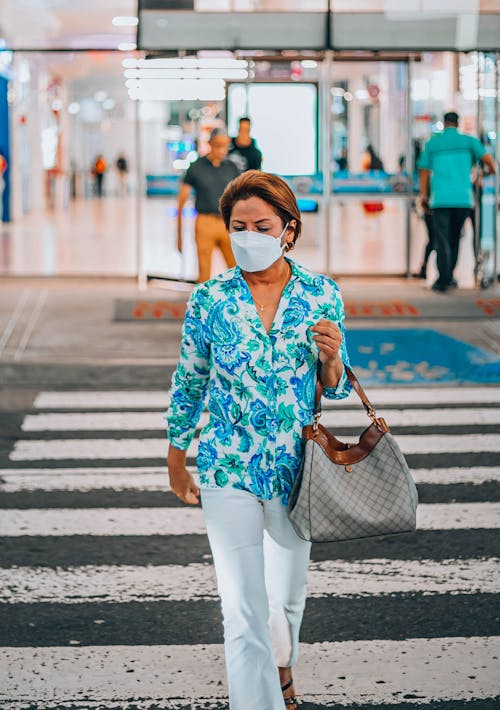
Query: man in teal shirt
445, 174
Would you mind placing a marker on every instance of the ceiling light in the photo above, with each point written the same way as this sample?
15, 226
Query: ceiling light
236, 74
189, 63
74, 108
109, 104
123, 21
127, 46
100, 96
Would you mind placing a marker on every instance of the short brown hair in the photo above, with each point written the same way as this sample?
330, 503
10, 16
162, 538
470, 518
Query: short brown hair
270, 188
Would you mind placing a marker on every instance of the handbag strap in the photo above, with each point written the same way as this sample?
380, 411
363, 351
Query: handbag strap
370, 410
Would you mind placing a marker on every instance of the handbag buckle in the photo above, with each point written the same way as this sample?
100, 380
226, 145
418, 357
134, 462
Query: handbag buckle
378, 422
315, 424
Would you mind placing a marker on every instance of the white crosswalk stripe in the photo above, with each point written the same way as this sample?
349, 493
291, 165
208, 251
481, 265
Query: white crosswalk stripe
365, 672
154, 478
189, 521
143, 421
332, 578
53, 467
62, 449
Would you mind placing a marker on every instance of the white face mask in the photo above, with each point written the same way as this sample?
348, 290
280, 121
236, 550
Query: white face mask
256, 252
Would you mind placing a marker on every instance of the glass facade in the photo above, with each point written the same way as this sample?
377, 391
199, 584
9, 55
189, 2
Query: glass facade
344, 127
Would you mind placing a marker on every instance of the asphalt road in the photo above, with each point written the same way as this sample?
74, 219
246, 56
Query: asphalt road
107, 593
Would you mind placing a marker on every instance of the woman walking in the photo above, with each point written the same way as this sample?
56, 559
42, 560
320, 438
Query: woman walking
254, 339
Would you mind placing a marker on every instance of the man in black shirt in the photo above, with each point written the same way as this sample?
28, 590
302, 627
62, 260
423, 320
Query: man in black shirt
208, 176
243, 151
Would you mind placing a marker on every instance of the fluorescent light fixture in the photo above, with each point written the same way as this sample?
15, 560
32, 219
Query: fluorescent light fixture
127, 46
187, 63
124, 21
309, 64
186, 74
74, 108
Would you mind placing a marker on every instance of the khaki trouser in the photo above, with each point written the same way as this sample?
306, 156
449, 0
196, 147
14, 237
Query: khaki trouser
210, 231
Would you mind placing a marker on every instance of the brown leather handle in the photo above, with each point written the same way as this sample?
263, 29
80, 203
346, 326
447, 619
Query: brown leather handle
356, 386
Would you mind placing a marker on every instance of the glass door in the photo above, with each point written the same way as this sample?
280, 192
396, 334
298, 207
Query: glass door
487, 188
369, 204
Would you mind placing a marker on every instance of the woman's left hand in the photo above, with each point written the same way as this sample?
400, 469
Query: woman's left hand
328, 338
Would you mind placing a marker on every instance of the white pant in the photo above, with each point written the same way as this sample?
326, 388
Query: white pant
261, 566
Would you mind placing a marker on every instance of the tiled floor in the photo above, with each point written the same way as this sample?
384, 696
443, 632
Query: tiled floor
99, 237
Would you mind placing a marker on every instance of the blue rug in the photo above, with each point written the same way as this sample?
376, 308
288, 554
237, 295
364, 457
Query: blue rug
415, 357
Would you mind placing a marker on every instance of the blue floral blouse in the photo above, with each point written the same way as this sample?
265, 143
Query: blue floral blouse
260, 386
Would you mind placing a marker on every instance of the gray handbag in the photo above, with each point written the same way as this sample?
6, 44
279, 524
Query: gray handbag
348, 491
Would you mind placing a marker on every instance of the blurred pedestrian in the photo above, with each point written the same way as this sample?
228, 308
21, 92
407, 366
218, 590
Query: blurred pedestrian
371, 161
431, 241
254, 339
446, 188
342, 160
122, 168
243, 150
208, 176
99, 170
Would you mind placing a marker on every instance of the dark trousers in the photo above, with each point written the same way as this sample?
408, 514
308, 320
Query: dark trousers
431, 238
99, 178
448, 223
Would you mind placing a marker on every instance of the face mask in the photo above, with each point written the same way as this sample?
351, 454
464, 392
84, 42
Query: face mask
254, 251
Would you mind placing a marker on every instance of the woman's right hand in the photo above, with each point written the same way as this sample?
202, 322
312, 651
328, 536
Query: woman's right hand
182, 481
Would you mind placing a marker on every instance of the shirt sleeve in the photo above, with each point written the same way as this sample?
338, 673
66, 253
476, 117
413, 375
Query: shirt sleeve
424, 161
338, 316
190, 379
189, 177
478, 149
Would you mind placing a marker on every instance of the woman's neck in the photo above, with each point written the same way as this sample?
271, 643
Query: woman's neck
274, 274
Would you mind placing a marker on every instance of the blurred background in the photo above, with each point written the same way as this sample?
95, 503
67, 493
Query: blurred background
143, 84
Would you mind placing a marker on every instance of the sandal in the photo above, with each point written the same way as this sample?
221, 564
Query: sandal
292, 700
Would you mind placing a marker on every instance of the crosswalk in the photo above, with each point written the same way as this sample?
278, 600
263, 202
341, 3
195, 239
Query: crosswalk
108, 595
